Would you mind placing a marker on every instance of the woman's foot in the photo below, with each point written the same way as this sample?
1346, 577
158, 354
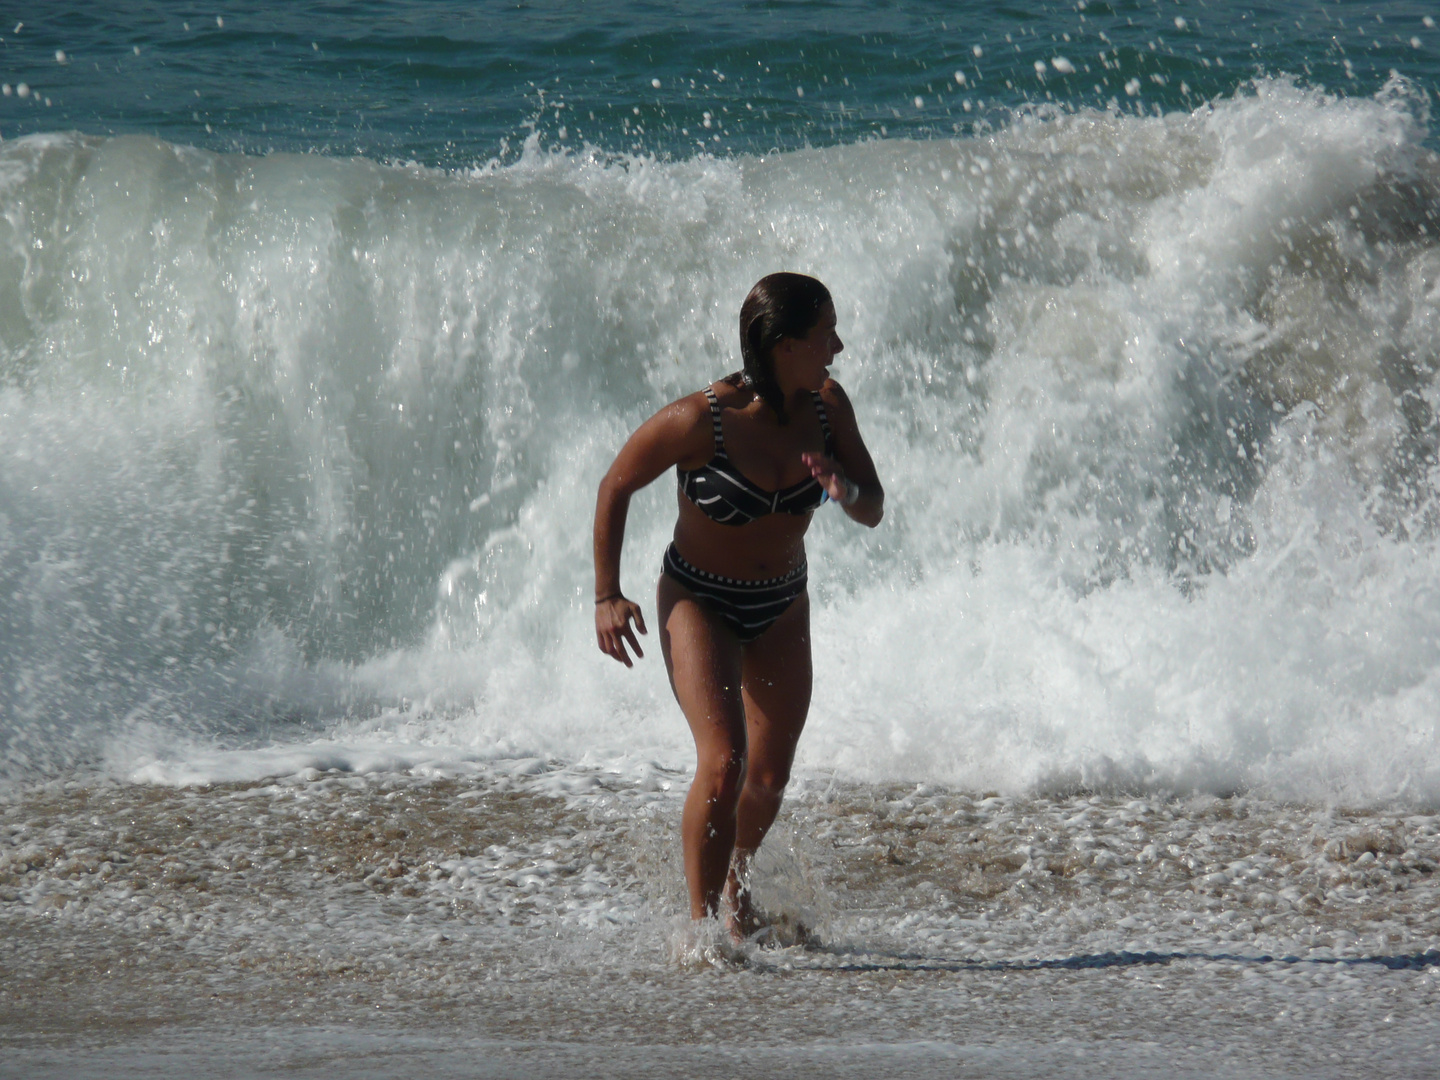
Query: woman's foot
782, 931
741, 918
705, 943
744, 921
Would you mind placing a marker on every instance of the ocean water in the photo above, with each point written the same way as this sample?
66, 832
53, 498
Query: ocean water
317, 331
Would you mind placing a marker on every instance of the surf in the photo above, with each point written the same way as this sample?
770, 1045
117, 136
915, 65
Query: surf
299, 452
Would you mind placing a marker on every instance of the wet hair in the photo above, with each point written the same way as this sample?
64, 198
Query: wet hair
779, 306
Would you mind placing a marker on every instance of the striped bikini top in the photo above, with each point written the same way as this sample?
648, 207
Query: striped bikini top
727, 497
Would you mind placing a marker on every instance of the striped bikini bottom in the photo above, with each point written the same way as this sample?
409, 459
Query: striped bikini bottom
749, 608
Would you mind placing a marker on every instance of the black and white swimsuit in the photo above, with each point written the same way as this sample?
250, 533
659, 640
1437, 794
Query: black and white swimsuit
747, 606
726, 496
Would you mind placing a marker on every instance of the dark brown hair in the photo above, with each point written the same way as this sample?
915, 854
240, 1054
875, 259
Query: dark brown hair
779, 306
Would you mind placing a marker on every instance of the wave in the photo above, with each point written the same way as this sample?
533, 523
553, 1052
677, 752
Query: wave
303, 450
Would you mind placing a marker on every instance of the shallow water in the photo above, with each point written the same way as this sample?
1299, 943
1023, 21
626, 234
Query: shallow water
369, 921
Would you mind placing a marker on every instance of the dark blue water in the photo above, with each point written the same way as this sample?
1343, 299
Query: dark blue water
453, 82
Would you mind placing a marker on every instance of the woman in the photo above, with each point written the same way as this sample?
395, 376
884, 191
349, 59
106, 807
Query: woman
756, 454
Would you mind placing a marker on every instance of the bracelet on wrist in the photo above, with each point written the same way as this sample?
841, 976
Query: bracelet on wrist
612, 596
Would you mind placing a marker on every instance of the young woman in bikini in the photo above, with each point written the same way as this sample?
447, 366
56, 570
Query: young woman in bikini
756, 455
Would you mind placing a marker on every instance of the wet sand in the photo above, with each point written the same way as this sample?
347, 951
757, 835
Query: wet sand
527, 923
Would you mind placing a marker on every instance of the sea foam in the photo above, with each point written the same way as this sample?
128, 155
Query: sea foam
302, 451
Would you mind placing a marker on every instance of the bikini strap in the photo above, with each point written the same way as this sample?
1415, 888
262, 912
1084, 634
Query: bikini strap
715, 421
824, 423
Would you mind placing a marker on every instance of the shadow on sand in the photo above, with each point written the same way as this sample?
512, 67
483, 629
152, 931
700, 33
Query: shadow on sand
910, 962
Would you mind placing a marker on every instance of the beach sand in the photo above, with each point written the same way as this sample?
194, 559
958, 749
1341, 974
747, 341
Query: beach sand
527, 923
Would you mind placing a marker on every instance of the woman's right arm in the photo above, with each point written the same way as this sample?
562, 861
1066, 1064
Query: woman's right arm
677, 432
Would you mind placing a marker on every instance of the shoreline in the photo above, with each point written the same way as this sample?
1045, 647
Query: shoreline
955, 932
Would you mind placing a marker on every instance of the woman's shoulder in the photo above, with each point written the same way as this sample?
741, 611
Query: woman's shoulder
688, 411
834, 396
692, 413
678, 432
731, 391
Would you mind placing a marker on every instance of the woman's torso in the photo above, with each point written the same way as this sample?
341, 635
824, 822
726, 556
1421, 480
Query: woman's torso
764, 457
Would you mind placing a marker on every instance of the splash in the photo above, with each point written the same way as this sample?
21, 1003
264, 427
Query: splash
302, 452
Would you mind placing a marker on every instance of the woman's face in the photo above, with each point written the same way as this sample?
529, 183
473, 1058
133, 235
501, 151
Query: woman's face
804, 363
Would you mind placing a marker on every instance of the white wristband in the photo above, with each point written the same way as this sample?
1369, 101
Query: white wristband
852, 493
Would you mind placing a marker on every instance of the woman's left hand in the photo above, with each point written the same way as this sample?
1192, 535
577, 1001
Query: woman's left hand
832, 478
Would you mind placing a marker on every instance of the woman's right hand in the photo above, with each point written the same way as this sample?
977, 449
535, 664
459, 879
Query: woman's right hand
612, 628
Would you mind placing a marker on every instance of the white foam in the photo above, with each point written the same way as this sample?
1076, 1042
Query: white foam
302, 455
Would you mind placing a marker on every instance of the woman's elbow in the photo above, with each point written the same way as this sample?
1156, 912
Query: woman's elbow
614, 488
871, 516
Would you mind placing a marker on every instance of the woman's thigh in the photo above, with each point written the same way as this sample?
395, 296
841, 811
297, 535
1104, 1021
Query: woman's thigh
703, 660
777, 681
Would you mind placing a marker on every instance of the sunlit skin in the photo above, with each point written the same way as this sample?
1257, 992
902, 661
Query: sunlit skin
746, 704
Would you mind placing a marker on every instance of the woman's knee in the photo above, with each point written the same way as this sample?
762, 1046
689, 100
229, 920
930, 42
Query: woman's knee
767, 781
721, 774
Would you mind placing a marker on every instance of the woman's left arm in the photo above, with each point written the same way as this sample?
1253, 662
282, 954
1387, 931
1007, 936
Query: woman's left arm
849, 477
